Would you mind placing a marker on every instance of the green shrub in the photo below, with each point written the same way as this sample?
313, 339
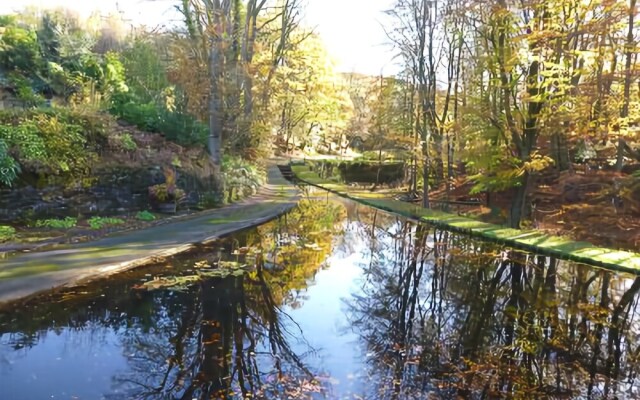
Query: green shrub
359, 171
128, 143
387, 155
101, 222
182, 128
47, 144
66, 223
9, 167
7, 20
164, 194
145, 216
143, 116
113, 81
146, 71
175, 125
24, 91
20, 50
364, 172
241, 178
7, 233
123, 141
52, 142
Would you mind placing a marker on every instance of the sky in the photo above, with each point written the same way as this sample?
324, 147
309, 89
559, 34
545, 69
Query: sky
349, 28
352, 32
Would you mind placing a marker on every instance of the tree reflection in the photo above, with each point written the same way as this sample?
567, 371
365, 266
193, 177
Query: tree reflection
440, 315
220, 338
445, 316
231, 337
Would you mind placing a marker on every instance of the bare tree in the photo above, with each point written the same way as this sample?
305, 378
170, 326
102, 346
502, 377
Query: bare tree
414, 36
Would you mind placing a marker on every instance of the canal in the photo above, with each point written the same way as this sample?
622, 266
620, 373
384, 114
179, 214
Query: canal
333, 300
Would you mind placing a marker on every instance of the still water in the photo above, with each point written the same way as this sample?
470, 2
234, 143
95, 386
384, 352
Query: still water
334, 301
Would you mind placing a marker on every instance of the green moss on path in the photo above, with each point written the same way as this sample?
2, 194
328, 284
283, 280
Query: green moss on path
530, 240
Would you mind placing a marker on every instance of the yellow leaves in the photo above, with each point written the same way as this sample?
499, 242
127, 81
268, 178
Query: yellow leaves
169, 98
586, 54
537, 162
505, 172
512, 62
538, 98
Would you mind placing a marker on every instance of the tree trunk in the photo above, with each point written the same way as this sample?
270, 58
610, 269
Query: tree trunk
629, 51
439, 159
216, 120
449, 166
560, 151
416, 140
526, 143
248, 44
425, 177
518, 204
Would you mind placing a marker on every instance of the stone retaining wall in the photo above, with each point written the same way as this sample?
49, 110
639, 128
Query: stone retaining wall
107, 192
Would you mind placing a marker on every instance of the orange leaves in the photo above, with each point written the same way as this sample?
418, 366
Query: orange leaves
188, 70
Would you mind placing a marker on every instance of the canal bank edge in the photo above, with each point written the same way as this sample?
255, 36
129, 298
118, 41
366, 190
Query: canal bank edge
28, 275
529, 240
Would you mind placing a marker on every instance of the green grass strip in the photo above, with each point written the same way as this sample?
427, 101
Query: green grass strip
529, 240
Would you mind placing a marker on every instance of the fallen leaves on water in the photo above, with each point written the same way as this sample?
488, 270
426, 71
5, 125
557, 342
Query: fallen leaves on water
202, 264
169, 282
204, 271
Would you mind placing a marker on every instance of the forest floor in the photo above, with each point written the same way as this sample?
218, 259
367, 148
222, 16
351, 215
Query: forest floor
26, 274
580, 206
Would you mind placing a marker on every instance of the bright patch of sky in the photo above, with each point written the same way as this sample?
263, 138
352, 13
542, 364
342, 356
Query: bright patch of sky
351, 29
139, 12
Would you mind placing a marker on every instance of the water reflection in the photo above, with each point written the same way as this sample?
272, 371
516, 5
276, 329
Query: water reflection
340, 302
220, 338
446, 317
227, 337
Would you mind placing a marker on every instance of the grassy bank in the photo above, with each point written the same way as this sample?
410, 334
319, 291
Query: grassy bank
530, 240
